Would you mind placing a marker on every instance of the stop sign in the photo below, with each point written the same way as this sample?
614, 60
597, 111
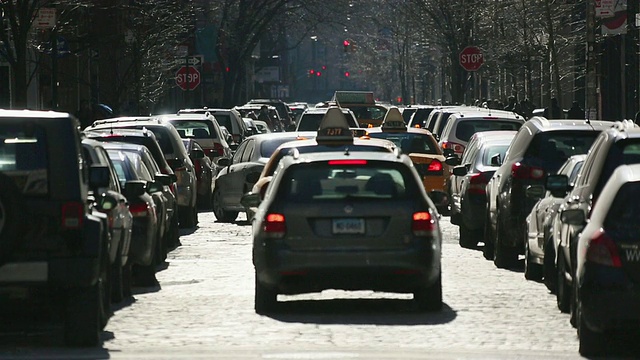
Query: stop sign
188, 78
471, 58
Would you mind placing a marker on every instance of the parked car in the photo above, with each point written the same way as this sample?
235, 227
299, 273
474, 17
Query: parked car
110, 200
540, 225
229, 118
336, 220
615, 146
231, 182
539, 148
164, 199
203, 128
148, 139
175, 155
50, 236
206, 172
607, 262
138, 188
469, 180
462, 125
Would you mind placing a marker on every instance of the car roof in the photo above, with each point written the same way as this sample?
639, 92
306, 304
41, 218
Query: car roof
33, 114
123, 145
356, 142
544, 124
323, 110
122, 132
394, 157
185, 116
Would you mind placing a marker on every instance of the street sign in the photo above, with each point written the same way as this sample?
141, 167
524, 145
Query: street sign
195, 60
187, 78
45, 18
471, 58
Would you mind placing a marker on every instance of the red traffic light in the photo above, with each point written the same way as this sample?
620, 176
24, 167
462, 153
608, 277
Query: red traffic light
346, 43
347, 74
324, 67
311, 71
318, 73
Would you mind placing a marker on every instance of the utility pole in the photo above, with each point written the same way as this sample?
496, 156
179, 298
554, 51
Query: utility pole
592, 91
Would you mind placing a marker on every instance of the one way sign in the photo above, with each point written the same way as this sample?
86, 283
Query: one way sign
195, 60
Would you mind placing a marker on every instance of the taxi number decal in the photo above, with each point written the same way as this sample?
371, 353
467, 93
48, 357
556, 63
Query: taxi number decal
633, 254
332, 131
348, 226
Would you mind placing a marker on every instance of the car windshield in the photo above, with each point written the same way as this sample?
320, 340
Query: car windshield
311, 122
467, 128
326, 182
410, 142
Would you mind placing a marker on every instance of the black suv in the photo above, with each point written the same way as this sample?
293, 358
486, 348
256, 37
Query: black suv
53, 245
618, 145
539, 148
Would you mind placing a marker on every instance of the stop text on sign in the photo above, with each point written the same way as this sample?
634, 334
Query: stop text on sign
188, 78
471, 58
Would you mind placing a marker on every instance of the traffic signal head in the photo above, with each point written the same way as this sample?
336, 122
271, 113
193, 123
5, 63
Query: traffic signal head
346, 45
347, 74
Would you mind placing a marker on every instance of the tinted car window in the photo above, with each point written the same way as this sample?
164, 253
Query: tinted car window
325, 182
622, 222
410, 142
200, 129
466, 129
552, 148
267, 147
23, 151
492, 151
224, 120
622, 152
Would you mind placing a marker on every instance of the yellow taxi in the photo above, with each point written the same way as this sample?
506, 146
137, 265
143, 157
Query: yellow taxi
423, 150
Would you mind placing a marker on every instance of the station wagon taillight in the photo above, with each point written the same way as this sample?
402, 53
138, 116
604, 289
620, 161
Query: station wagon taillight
521, 171
457, 148
423, 224
603, 251
435, 166
72, 215
139, 210
275, 225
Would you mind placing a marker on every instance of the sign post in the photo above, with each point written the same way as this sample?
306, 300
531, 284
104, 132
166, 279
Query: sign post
188, 78
471, 58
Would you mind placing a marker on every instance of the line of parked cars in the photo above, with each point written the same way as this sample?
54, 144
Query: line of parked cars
560, 194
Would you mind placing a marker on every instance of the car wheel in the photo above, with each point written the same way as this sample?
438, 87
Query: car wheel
504, 257
221, 214
549, 267
532, 271
250, 215
467, 237
563, 291
265, 299
10, 209
429, 298
487, 250
174, 233
127, 281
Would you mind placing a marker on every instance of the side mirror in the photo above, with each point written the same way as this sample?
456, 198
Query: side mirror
535, 191
496, 160
441, 200
134, 188
573, 217
154, 186
222, 162
453, 160
558, 185
448, 153
163, 179
99, 176
233, 146
197, 154
252, 178
173, 177
460, 170
106, 202
250, 200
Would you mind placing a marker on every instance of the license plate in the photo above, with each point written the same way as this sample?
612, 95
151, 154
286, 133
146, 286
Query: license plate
348, 226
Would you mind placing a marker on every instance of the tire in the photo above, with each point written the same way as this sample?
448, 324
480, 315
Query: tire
250, 215
487, 249
429, 298
467, 237
504, 257
591, 342
145, 275
563, 290
265, 299
117, 282
11, 225
127, 281
549, 267
532, 271
221, 214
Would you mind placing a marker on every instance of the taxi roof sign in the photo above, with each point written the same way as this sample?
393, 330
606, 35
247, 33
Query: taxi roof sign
334, 127
393, 120
354, 97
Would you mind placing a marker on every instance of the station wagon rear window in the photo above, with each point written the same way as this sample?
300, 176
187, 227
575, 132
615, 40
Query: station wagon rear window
327, 182
621, 221
466, 129
410, 142
23, 157
197, 129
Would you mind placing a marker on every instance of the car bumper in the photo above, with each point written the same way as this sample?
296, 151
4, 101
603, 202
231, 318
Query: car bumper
295, 272
610, 309
142, 241
185, 195
473, 209
58, 271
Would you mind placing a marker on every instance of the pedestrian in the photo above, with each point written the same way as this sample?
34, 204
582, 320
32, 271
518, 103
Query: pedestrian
553, 111
85, 113
264, 116
576, 112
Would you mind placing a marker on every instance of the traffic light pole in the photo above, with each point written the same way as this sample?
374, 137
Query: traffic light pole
591, 106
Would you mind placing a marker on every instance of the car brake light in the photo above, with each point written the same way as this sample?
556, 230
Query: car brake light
347, 162
274, 225
72, 215
478, 184
521, 171
435, 166
603, 251
139, 210
422, 224
457, 148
